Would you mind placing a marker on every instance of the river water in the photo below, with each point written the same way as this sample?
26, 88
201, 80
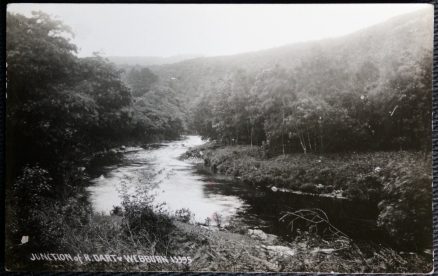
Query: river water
187, 184
160, 172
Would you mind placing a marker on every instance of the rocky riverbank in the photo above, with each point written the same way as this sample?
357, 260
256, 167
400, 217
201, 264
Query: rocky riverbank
257, 251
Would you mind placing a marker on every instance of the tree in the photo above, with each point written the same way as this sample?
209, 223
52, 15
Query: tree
60, 107
276, 90
40, 60
140, 80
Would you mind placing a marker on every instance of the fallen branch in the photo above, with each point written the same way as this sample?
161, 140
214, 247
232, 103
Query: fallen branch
313, 218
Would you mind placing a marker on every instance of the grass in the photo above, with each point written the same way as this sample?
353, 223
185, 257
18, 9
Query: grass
334, 174
211, 250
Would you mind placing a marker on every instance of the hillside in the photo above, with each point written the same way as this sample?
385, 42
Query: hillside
383, 45
126, 61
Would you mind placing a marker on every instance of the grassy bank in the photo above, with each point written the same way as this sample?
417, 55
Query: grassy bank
213, 250
398, 182
352, 175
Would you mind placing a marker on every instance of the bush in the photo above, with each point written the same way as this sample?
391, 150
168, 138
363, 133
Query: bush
116, 211
141, 219
184, 215
33, 183
48, 221
406, 210
309, 188
355, 193
57, 217
365, 187
29, 195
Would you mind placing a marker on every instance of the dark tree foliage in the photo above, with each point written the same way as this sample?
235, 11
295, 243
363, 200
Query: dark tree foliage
158, 114
319, 108
140, 80
40, 62
62, 109
406, 208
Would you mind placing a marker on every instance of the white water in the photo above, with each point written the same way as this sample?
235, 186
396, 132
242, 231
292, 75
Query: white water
176, 182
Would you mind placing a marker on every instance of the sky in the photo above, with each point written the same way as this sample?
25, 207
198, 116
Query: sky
208, 30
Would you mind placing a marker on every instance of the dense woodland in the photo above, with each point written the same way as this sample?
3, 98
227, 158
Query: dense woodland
283, 109
323, 97
61, 110
363, 92
61, 107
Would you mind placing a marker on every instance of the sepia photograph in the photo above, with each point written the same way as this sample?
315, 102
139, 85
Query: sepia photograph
219, 138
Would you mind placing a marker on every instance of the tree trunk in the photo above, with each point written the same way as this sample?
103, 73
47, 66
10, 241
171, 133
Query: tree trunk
302, 142
251, 134
308, 139
321, 148
282, 131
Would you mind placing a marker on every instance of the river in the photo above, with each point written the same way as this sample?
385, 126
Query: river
176, 183
172, 182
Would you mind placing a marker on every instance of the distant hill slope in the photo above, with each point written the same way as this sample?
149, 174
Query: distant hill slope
147, 61
385, 46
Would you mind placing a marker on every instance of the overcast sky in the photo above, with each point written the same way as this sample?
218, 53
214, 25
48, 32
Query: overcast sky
200, 29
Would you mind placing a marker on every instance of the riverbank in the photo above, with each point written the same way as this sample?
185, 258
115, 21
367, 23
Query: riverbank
139, 230
136, 228
351, 176
396, 184
206, 249
227, 251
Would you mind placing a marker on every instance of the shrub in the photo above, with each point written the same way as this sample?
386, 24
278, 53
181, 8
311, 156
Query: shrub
33, 183
293, 184
116, 211
184, 215
217, 218
328, 189
142, 219
57, 217
29, 195
365, 187
327, 176
355, 193
309, 188
406, 210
